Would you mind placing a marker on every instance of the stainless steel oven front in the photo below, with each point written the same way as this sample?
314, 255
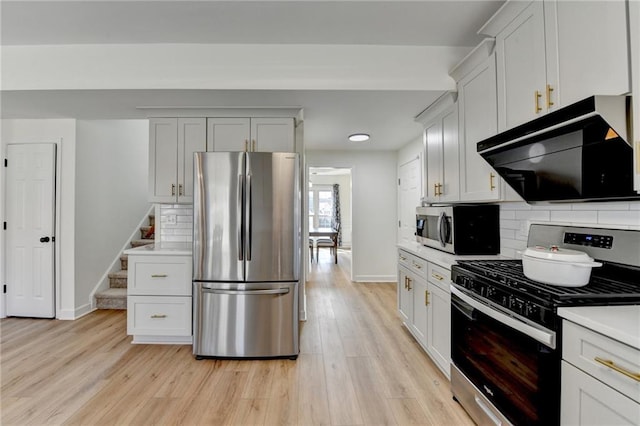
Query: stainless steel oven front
506, 369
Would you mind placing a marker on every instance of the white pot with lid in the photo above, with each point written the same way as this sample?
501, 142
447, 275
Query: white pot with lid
558, 266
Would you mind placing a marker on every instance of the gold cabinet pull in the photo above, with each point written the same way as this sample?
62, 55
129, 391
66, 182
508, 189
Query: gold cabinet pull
440, 189
549, 102
173, 189
405, 283
180, 189
159, 275
492, 186
417, 265
426, 298
158, 316
408, 283
253, 145
437, 276
536, 99
435, 189
246, 145
403, 258
621, 370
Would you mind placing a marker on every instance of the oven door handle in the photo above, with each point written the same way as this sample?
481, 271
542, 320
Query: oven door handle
543, 336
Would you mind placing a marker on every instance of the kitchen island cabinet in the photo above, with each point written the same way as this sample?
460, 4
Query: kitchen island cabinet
553, 53
159, 301
264, 134
600, 365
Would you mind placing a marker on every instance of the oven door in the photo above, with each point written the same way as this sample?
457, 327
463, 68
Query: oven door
504, 358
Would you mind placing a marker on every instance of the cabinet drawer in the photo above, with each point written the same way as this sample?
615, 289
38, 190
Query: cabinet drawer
418, 266
404, 258
588, 350
585, 400
439, 276
159, 275
159, 315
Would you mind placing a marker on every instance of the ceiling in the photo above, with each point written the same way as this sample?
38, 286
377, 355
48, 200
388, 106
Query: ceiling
330, 115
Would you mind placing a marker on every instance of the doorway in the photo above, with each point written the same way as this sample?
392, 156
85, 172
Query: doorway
329, 205
30, 226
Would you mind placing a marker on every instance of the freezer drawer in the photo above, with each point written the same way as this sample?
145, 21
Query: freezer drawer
245, 320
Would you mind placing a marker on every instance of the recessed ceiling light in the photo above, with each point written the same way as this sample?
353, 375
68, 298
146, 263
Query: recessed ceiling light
359, 137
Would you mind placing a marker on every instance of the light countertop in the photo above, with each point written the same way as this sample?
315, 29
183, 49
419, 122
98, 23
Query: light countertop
446, 260
162, 249
621, 323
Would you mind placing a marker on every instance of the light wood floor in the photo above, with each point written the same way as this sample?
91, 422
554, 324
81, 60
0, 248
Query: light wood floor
357, 366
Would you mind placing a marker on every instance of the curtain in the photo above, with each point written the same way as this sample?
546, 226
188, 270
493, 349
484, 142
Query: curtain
335, 220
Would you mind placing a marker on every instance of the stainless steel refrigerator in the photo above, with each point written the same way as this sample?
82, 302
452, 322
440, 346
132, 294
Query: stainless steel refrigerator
246, 254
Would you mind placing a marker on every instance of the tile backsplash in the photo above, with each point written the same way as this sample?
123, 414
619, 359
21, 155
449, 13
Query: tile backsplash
176, 220
176, 223
515, 219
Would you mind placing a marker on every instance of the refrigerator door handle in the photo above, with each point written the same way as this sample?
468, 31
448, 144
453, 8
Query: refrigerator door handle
246, 292
240, 215
250, 215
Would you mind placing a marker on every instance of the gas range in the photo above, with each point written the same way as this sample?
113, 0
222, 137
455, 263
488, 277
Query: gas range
502, 283
506, 336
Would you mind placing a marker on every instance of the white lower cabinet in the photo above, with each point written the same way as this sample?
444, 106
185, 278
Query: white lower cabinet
159, 303
438, 303
424, 306
598, 387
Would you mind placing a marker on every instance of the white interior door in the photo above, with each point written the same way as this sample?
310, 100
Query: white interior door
30, 203
410, 194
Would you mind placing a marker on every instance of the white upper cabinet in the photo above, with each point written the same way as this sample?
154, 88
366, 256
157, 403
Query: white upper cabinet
172, 142
587, 42
441, 149
478, 109
272, 134
228, 134
251, 134
552, 53
521, 68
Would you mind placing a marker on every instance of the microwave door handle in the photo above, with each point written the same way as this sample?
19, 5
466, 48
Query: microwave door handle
441, 225
545, 337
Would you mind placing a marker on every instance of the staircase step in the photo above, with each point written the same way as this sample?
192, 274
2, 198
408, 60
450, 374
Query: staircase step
124, 262
138, 243
114, 298
147, 232
118, 279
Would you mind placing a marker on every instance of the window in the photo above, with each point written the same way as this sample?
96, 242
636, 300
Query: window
320, 206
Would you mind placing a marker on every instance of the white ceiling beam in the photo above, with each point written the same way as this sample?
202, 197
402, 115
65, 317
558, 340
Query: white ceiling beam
233, 66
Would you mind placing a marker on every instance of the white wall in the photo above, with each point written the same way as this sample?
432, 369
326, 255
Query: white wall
344, 191
111, 196
63, 133
374, 212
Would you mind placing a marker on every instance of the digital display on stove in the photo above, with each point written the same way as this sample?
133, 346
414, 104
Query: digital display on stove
591, 240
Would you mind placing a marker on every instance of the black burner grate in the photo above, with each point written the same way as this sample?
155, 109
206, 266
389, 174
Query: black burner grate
609, 284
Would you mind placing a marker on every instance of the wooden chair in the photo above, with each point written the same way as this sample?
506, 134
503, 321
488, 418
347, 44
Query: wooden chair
327, 242
311, 244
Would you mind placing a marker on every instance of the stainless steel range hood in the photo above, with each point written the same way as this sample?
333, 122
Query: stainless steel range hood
577, 153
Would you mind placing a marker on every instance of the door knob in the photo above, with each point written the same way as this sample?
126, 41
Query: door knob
44, 239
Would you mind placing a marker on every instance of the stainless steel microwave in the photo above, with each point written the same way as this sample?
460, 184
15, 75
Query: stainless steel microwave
460, 229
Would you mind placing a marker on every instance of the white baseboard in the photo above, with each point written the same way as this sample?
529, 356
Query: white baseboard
375, 278
161, 340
